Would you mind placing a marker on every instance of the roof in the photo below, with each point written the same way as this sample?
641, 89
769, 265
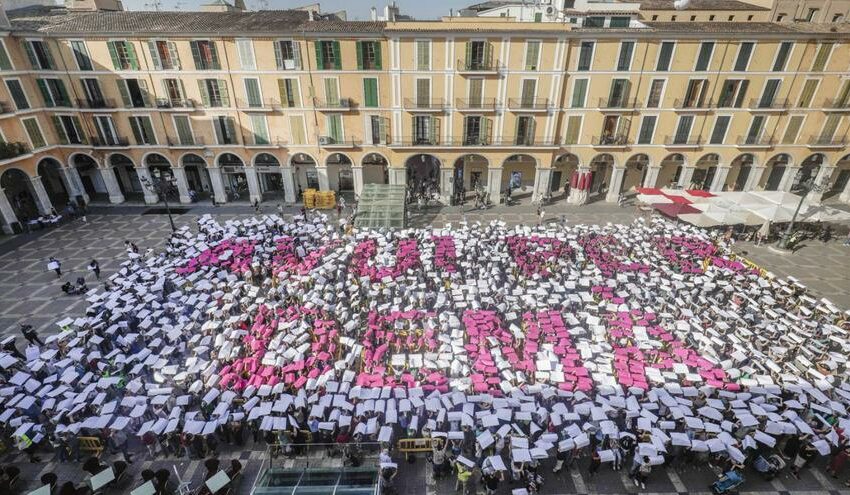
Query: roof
701, 5
334, 26
698, 29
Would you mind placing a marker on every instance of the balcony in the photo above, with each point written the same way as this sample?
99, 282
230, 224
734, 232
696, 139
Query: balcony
527, 142
755, 142
272, 143
5, 107
413, 141
677, 142
477, 67
683, 105
13, 149
330, 143
830, 143
267, 105
476, 142
114, 142
611, 141
836, 105
774, 105
476, 105
618, 104
101, 104
196, 142
528, 104
425, 104
340, 105
176, 105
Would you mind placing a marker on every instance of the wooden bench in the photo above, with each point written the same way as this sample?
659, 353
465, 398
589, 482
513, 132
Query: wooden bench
414, 445
92, 445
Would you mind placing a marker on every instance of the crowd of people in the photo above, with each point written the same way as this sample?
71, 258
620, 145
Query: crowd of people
638, 345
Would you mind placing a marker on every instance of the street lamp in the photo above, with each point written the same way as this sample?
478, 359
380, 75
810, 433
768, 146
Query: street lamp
161, 186
804, 188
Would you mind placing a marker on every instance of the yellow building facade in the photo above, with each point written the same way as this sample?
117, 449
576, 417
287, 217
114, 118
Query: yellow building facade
262, 105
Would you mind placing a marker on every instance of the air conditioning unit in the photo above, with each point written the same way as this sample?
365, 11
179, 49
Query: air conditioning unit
550, 10
324, 140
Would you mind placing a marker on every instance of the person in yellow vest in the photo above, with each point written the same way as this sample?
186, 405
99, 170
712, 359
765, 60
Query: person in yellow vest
463, 476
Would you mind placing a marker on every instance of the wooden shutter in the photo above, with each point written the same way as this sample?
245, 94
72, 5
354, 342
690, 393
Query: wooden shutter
125, 95
113, 53
131, 55
61, 135
468, 54
213, 55
79, 129
174, 54
843, 95
146, 95
476, 92
296, 54
359, 47
830, 126
742, 93
377, 55
155, 59
196, 55
808, 93
231, 130
579, 93
532, 54
434, 130
63, 93
423, 58
573, 127
792, 130
45, 93
337, 56
205, 94
278, 55
822, 56
485, 131
27, 46
223, 92
320, 59
384, 130
281, 89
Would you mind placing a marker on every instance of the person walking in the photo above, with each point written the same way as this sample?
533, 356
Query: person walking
55, 265
595, 463
94, 267
30, 334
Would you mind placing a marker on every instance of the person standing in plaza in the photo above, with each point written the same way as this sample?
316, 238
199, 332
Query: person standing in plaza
94, 267
55, 265
30, 334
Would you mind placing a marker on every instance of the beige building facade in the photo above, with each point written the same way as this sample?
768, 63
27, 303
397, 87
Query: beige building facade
260, 106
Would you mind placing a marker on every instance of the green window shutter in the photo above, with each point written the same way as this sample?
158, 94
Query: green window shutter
196, 55
488, 54
484, 130
205, 94
296, 53
45, 93
822, 56
122, 90
532, 54
830, 126
808, 93
222, 90
137, 133
378, 57
359, 47
573, 127
30, 54
384, 130
63, 93
214, 56
60, 130
231, 129
281, 90
320, 59
148, 128
157, 62
742, 93
175, 56
5, 63
370, 92
434, 130
146, 95
843, 95
79, 128
337, 56
278, 55
48, 55
131, 55
422, 55
579, 93
793, 128
468, 58
113, 54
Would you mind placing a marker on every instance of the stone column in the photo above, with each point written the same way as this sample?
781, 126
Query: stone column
398, 176
7, 213
254, 193
115, 194
844, 197
617, 176
686, 176
41, 197
74, 176
217, 185
144, 176
289, 184
815, 197
754, 178
788, 178
447, 185
322, 173
68, 182
719, 180
542, 179
651, 177
182, 184
494, 184
357, 177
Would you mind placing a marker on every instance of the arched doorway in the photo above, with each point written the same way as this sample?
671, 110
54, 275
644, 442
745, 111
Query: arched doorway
562, 171
840, 177
470, 174
671, 171
197, 175
128, 178
518, 174
739, 172
306, 175
808, 172
269, 176
19, 191
601, 167
376, 169
704, 171
50, 171
159, 166
340, 174
775, 169
423, 176
636, 167
90, 176
233, 176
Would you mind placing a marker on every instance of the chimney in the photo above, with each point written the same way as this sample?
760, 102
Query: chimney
374, 14
239, 5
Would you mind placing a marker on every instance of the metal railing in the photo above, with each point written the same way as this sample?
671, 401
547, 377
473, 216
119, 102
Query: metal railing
528, 103
264, 104
488, 104
755, 141
416, 141
610, 140
271, 143
474, 141
827, 142
340, 104
177, 104
116, 142
12, 149
837, 103
329, 142
197, 142
425, 104
618, 103
684, 104
96, 104
772, 104
477, 65
676, 141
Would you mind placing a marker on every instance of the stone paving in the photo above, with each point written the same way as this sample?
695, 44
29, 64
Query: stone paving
30, 293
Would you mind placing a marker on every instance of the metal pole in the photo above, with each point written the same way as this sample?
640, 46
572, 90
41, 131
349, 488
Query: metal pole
783, 243
167, 208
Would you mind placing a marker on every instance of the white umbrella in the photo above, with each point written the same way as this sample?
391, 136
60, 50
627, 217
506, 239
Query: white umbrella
699, 219
652, 198
779, 197
729, 217
824, 214
774, 213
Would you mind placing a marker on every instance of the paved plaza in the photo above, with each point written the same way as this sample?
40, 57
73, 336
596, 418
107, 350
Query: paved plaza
29, 293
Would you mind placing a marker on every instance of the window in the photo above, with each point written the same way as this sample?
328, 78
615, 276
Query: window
214, 92
476, 93
771, 87
756, 127
259, 129
837, 17
123, 55
39, 55
532, 55
134, 92
829, 128
733, 92
331, 91
287, 55
525, 130
683, 130
792, 129
808, 93
328, 55
745, 52
476, 130
245, 48
693, 18
17, 93
94, 95
423, 55
297, 134
184, 130
573, 129
379, 129
721, 124
811, 14
205, 55
656, 89
164, 55
5, 61
624, 61
53, 92
369, 55
594, 22
289, 92
423, 92
252, 92
618, 97
174, 91
782, 56
647, 129
665, 55
528, 93
142, 130
479, 55
426, 129
822, 56
843, 98
81, 55
780, 17
333, 124
68, 129
585, 56
34, 132
225, 130
370, 92
620, 22
106, 129
695, 95
704, 58
731, 18
615, 130
579, 93
538, 17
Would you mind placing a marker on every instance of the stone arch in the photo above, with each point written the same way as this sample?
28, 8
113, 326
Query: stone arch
601, 166
197, 174
22, 197
91, 177
340, 172
636, 168
126, 174
740, 171
376, 168
705, 169
809, 169
671, 170
840, 179
470, 171
518, 173
423, 175
233, 175
306, 173
53, 180
774, 170
563, 168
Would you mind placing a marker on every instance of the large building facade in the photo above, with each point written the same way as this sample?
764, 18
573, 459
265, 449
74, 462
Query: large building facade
262, 105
